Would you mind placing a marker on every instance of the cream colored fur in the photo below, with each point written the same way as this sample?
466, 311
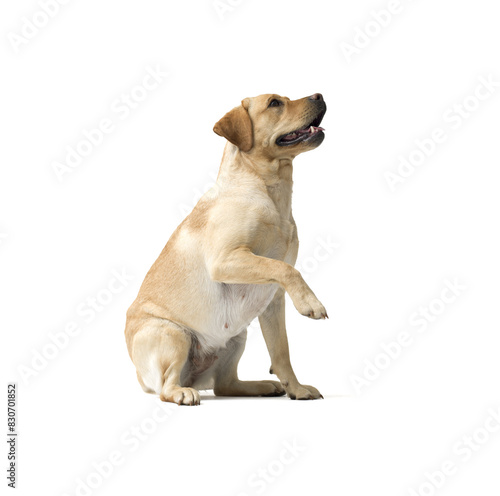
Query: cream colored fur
230, 261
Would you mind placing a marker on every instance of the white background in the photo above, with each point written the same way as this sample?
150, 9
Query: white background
61, 240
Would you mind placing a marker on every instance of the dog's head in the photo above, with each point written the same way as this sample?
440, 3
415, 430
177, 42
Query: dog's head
274, 126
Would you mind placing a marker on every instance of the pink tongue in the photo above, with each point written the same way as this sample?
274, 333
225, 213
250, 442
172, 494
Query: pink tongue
306, 130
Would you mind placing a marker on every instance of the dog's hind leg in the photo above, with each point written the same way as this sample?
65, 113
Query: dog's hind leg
160, 352
145, 388
226, 374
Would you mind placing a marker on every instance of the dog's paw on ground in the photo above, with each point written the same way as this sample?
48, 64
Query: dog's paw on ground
182, 396
304, 393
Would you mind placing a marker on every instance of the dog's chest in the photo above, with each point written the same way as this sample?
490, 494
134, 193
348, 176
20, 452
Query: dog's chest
278, 225
236, 305
241, 303
246, 301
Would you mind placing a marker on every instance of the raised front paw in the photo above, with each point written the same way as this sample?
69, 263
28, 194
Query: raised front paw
311, 307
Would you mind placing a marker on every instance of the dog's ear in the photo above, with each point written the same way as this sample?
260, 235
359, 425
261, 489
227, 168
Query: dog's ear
236, 127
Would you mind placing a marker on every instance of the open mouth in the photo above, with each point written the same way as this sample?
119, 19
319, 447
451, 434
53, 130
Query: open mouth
305, 133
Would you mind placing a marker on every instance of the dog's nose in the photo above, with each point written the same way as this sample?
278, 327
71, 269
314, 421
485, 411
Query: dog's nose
316, 96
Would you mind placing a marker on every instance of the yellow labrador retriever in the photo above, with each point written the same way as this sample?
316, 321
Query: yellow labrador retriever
231, 260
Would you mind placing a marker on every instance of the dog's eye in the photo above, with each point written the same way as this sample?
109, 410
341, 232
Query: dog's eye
274, 103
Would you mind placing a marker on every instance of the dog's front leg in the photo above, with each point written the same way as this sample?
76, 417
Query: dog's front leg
241, 266
272, 323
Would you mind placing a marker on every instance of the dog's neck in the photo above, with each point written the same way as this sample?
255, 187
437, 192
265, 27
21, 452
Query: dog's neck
274, 175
